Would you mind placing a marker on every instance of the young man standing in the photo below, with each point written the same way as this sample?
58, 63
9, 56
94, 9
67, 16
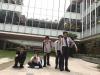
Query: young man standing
47, 45
58, 50
66, 44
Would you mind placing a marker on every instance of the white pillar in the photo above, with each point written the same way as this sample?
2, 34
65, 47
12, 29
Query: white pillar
90, 20
76, 17
86, 17
64, 14
82, 17
70, 14
95, 18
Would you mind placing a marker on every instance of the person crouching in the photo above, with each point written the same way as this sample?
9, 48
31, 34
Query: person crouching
35, 61
20, 57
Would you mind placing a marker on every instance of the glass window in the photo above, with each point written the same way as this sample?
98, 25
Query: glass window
84, 24
16, 16
9, 17
2, 16
5, 1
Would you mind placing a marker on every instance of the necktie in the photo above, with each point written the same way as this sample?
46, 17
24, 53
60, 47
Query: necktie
66, 41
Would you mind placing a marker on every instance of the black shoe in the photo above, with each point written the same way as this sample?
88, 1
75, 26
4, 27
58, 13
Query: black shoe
56, 67
67, 70
48, 64
44, 66
15, 67
30, 66
40, 67
21, 67
61, 69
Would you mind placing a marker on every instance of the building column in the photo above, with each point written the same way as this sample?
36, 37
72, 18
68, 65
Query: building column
76, 17
70, 15
4, 45
95, 17
86, 19
82, 17
64, 14
90, 20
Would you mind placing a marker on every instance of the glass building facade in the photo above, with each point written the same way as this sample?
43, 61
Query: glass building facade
50, 17
73, 22
40, 17
90, 10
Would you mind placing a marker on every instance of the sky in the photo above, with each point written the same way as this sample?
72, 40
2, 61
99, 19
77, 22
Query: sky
49, 10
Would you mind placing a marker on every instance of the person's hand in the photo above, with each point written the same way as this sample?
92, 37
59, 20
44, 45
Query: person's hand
16, 55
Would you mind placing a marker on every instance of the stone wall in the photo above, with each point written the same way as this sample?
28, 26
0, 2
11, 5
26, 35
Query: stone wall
92, 46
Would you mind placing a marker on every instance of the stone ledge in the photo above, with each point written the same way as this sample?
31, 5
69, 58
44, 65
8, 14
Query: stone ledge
88, 58
91, 59
5, 60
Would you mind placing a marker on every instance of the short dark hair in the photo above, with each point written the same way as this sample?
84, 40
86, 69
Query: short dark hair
60, 36
65, 32
22, 47
46, 37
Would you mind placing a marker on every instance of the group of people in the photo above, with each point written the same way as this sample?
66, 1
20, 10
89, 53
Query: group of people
62, 48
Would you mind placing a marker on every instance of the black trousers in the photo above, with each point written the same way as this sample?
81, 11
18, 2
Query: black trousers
22, 60
47, 59
17, 60
64, 58
33, 64
57, 58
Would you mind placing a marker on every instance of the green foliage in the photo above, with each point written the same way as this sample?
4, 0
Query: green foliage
73, 36
11, 54
6, 53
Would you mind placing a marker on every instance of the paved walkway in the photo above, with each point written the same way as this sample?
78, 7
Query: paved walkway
77, 67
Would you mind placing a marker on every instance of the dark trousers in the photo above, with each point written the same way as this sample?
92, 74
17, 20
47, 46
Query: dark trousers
22, 60
57, 58
64, 57
47, 59
17, 60
33, 64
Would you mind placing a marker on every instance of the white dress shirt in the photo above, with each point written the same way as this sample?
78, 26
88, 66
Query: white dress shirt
58, 46
70, 42
37, 60
47, 46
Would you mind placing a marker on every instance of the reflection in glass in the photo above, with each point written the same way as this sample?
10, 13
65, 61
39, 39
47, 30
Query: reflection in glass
46, 14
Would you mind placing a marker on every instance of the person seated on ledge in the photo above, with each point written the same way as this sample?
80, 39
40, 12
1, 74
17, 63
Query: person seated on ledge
35, 61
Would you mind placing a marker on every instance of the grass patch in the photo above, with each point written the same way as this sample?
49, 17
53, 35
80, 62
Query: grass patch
11, 54
6, 53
